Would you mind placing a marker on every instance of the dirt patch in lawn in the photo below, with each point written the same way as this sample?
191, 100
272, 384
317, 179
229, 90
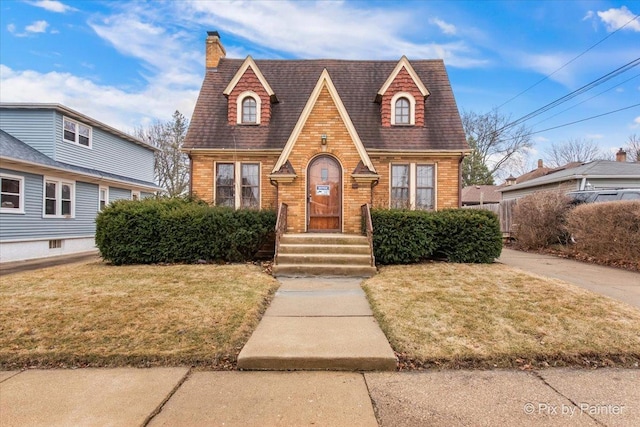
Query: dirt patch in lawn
95, 314
492, 316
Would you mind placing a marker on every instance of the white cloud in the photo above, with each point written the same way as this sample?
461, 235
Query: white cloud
325, 30
540, 139
636, 123
37, 27
548, 63
616, 18
588, 16
11, 28
446, 28
53, 6
164, 54
116, 107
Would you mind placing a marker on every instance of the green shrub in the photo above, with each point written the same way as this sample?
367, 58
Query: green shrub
179, 230
459, 235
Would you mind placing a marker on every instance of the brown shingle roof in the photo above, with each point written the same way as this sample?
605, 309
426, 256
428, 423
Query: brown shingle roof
357, 82
474, 194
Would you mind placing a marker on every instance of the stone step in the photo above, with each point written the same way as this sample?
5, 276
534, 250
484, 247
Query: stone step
324, 239
324, 258
319, 270
301, 248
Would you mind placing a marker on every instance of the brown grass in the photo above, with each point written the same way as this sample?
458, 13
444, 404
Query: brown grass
94, 314
461, 315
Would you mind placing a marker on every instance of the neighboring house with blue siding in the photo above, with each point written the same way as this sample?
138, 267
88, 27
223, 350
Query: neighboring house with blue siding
58, 169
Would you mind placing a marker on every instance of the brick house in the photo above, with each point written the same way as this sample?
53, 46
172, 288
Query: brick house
325, 137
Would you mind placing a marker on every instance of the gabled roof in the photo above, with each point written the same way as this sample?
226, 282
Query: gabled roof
356, 82
249, 62
595, 169
323, 81
481, 194
404, 63
12, 150
73, 114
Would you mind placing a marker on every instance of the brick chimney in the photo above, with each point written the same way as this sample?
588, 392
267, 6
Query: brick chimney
540, 165
214, 49
621, 156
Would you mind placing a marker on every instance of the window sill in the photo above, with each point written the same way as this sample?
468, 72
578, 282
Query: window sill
12, 211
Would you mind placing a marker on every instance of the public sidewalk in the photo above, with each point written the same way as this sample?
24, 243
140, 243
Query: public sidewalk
616, 283
181, 397
318, 323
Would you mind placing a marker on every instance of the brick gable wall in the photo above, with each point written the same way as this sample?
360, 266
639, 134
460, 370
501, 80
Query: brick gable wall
324, 119
402, 83
249, 81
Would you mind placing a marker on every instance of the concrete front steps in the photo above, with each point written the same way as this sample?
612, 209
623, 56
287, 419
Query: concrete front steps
327, 254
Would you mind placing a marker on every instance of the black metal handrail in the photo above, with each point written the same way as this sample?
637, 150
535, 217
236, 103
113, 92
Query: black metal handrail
368, 228
281, 227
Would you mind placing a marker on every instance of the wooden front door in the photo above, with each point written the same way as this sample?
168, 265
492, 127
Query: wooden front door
324, 195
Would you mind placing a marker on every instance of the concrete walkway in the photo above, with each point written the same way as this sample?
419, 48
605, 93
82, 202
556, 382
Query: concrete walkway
318, 323
613, 282
181, 397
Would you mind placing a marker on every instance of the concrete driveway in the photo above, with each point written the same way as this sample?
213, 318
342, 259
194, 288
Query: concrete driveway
615, 283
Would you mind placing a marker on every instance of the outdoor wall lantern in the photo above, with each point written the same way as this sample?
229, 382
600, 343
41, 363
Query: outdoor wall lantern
323, 139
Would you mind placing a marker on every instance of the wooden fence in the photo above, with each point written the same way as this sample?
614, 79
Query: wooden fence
504, 210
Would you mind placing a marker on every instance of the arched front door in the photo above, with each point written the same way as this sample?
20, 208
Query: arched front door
324, 195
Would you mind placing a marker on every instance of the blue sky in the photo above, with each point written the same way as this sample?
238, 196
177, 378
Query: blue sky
128, 63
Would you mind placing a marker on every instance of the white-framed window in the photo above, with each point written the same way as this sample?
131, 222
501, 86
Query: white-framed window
135, 195
76, 132
59, 198
403, 109
249, 105
11, 194
413, 186
237, 185
103, 197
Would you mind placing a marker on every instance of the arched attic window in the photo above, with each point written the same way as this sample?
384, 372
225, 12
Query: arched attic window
248, 108
403, 109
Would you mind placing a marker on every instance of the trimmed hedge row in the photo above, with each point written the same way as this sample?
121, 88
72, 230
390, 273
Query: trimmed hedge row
458, 235
174, 230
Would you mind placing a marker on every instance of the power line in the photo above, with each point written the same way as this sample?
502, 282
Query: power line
573, 94
584, 120
588, 99
549, 75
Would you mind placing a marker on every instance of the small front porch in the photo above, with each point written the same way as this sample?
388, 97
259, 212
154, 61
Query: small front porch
323, 254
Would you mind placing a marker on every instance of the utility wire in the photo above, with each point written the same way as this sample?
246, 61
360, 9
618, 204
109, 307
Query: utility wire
588, 99
549, 75
573, 94
584, 120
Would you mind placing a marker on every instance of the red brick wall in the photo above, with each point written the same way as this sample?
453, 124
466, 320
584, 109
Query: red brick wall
249, 81
402, 83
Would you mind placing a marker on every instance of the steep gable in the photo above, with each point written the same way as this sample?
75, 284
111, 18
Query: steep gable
402, 82
249, 81
324, 83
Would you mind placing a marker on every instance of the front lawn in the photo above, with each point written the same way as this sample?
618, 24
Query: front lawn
463, 315
94, 314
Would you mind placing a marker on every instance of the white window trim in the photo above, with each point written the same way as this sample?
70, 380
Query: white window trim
237, 181
241, 97
59, 182
412, 109
20, 210
77, 140
106, 195
413, 182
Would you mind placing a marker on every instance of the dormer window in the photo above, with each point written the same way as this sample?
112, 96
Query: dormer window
249, 108
76, 132
403, 109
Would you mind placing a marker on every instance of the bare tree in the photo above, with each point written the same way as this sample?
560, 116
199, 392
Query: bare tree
633, 148
493, 140
171, 164
572, 150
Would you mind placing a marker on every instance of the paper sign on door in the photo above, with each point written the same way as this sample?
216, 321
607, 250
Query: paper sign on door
322, 190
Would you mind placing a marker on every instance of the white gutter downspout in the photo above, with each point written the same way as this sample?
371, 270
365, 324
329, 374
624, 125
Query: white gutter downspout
583, 183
